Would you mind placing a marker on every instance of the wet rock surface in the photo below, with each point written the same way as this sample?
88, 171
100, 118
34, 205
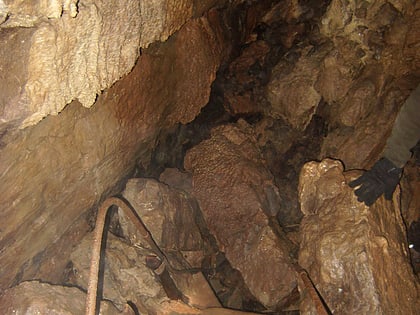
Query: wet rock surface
357, 256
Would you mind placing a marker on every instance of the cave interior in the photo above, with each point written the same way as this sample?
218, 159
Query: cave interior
232, 130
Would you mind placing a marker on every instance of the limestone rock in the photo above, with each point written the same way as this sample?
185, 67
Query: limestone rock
360, 146
335, 77
168, 214
73, 58
366, 25
291, 91
356, 256
367, 74
235, 191
410, 186
161, 18
35, 297
177, 179
74, 158
127, 277
179, 308
245, 79
18, 13
76, 49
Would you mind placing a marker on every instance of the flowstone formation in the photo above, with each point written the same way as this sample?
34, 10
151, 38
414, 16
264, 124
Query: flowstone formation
73, 50
74, 158
356, 255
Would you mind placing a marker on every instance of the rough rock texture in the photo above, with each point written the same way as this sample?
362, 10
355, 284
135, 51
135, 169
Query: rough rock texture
291, 91
355, 68
176, 223
34, 297
177, 179
126, 277
18, 13
410, 196
367, 75
53, 172
241, 93
74, 50
236, 193
69, 57
169, 214
356, 256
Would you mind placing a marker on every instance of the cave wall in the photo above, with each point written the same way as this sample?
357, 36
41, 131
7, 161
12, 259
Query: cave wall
358, 65
68, 50
55, 170
85, 89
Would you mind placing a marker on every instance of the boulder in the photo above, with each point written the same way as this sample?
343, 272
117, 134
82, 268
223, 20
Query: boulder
357, 256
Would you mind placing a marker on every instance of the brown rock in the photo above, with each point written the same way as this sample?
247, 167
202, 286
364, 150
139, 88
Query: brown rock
291, 93
73, 57
243, 93
361, 146
410, 195
177, 179
168, 214
356, 256
335, 77
366, 74
126, 276
34, 297
235, 190
29, 13
85, 152
75, 51
255, 52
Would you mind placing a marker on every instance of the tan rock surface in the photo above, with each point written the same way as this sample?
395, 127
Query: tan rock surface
371, 69
18, 13
34, 297
356, 256
291, 92
53, 172
74, 50
73, 58
235, 190
168, 214
126, 276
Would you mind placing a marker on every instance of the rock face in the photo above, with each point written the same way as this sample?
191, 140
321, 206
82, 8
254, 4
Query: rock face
236, 194
169, 214
70, 56
123, 280
74, 158
96, 89
128, 275
355, 72
292, 94
357, 256
367, 74
34, 297
75, 50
